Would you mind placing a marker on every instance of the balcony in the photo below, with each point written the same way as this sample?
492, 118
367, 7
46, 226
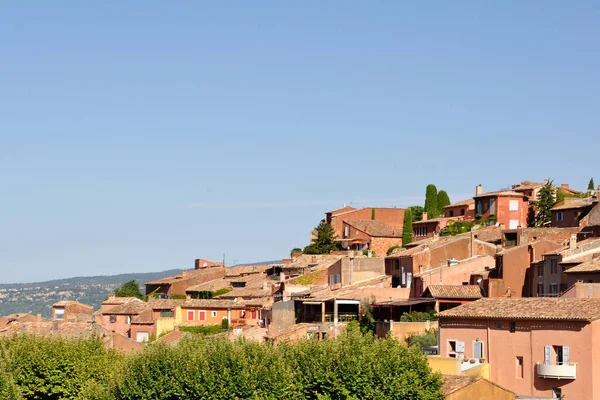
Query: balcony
557, 371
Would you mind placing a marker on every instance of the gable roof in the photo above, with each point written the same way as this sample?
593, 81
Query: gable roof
435, 220
467, 202
375, 228
188, 274
532, 308
500, 193
453, 292
118, 300
212, 304
342, 210
130, 308
527, 185
592, 265
454, 383
574, 204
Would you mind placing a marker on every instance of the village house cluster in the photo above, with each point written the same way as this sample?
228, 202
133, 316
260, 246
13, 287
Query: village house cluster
517, 308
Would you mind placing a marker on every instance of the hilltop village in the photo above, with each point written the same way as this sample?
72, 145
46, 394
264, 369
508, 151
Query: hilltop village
501, 291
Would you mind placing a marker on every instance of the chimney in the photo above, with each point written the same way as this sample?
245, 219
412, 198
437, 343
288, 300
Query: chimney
478, 190
564, 185
573, 241
424, 218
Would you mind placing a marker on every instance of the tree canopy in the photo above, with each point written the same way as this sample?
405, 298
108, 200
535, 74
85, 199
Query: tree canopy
325, 241
443, 200
407, 228
591, 186
544, 202
417, 213
129, 289
431, 201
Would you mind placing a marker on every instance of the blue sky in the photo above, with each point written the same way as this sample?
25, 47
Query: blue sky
137, 136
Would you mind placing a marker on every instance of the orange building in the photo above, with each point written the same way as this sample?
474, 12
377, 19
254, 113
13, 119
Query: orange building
211, 312
392, 217
507, 207
546, 347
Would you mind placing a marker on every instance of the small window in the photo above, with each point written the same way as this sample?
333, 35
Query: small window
112, 319
498, 325
540, 289
513, 327
59, 314
451, 213
553, 266
462, 211
513, 224
166, 314
201, 315
129, 319
492, 206
553, 289
541, 270
556, 393
514, 205
190, 315
214, 314
560, 216
519, 367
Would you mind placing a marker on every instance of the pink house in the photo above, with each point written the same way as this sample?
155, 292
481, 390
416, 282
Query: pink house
546, 347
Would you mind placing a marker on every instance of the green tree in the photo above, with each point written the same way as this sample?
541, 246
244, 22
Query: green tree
129, 289
367, 320
544, 202
443, 200
407, 228
431, 201
325, 241
373, 214
417, 213
295, 250
591, 186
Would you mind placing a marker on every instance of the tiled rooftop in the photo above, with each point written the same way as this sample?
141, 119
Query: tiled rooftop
131, 308
500, 193
454, 291
211, 304
572, 204
536, 308
589, 266
375, 228
467, 202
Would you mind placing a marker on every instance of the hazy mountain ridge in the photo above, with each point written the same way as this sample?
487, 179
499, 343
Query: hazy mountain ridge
38, 297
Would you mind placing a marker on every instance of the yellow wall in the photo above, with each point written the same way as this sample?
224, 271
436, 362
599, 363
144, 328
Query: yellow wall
164, 325
451, 366
481, 390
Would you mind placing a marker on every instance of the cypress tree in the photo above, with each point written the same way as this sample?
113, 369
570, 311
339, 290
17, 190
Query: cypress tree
591, 186
407, 228
431, 201
443, 200
373, 214
544, 202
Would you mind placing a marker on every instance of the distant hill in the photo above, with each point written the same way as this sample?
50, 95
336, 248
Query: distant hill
38, 297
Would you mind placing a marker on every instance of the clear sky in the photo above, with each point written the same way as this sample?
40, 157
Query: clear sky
136, 136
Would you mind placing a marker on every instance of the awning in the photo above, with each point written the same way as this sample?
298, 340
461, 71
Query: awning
312, 303
355, 302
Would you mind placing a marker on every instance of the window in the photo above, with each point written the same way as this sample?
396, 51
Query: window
201, 315
560, 216
451, 213
541, 270
540, 291
492, 206
513, 327
129, 319
478, 206
166, 313
553, 289
498, 325
214, 314
478, 349
190, 315
519, 367
142, 337
462, 211
556, 393
59, 314
254, 314
456, 349
563, 287
513, 224
112, 319
346, 232
553, 266
513, 205
561, 354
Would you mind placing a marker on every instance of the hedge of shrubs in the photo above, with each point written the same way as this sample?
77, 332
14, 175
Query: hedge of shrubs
352, 367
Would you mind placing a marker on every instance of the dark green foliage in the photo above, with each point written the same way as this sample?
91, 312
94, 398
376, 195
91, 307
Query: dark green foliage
202, 329
129, 289
178, 297
352, 367
456, 227
417, 316
373, 214
225, 324
426, 340
295, 250
367, 321
407, 228
417, 213
591, 186
544, 202
391, 249
325, 242
443, 200
207, 294
431, 201
366, 253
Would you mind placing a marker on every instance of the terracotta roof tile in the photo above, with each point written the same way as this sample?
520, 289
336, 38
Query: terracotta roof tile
165, 304
251, 292
375, 228
453, 291
118, 300
537, 308
211, 286
183, 276
131, 308
467, 202
572, 204
589, 266
501, 193
452, 383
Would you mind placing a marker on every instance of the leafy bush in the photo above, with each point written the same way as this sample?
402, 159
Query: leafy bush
178, 297
426, 340
202, 329
417, 316
391, 249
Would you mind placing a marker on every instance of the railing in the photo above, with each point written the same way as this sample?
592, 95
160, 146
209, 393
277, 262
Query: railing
557, 371
347, 317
